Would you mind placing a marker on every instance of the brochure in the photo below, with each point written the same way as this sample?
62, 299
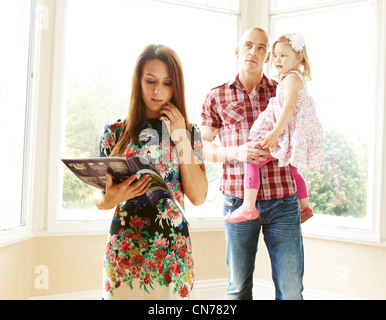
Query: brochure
92, 171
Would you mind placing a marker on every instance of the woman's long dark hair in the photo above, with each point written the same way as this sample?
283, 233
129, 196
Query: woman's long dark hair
137, 108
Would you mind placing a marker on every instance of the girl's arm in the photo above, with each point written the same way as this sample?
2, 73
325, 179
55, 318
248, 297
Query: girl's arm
292, 84
194, 181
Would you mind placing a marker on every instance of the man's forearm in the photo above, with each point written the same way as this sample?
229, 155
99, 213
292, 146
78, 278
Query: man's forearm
248, 152
216, 153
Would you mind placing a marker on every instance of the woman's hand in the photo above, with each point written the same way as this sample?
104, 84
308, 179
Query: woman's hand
175, 122
118, 193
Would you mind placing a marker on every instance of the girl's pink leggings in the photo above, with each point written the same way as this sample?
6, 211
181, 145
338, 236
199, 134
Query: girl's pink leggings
252, 178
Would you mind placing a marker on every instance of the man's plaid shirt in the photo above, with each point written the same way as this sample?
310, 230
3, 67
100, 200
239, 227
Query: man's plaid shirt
233, 110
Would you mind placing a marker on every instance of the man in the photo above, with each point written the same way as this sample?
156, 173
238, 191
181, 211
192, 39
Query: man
230, 111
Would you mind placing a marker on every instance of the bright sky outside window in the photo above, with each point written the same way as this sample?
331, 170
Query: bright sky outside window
292, 4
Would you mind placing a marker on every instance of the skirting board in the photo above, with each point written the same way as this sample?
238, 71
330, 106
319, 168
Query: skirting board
206, 290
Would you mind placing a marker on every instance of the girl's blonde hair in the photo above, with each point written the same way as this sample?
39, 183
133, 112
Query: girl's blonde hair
305, 69
132, 125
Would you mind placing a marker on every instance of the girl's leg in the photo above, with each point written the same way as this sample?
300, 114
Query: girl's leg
300, 183
301, 186
251, 184
247, 210
305, 210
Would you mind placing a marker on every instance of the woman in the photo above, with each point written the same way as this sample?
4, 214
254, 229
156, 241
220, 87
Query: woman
149, 254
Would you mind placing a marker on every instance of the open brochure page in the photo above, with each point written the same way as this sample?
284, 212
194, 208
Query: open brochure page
92, 171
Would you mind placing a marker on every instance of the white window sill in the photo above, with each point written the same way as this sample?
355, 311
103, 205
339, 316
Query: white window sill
102, 227
310, 230
342, 230
98, 222
13, 236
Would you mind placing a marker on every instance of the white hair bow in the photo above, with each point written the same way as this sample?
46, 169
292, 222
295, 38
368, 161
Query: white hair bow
297, 41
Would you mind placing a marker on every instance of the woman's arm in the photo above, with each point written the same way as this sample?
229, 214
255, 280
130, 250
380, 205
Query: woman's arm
194, 181
292, 84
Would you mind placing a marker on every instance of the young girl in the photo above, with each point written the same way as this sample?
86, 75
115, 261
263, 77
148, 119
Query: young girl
289, 127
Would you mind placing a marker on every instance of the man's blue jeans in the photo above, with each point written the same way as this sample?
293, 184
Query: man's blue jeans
279, 220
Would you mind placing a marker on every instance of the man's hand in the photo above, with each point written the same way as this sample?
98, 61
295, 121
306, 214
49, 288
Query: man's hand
252, 152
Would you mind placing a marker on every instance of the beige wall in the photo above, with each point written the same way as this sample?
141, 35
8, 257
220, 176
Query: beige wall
337, 268
75, 264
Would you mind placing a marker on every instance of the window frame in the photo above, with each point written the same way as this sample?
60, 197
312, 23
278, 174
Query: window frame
24, 230
57, 114
330, 231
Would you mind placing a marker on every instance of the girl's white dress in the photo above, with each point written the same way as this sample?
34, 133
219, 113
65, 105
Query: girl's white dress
302, 143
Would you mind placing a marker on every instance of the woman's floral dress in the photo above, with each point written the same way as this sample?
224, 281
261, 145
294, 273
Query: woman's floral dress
149, 253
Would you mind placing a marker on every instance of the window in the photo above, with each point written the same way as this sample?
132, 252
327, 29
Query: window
296, 4
14, 93
98, 62
343, 55
217, 4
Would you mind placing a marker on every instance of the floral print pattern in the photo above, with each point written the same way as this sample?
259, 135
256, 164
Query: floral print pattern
150, 245
302, 143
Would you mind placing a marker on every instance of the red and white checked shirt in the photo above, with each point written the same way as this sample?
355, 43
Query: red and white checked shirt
233, 110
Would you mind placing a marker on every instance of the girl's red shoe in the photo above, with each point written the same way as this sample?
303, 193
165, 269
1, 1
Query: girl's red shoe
306, 214
241, 215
